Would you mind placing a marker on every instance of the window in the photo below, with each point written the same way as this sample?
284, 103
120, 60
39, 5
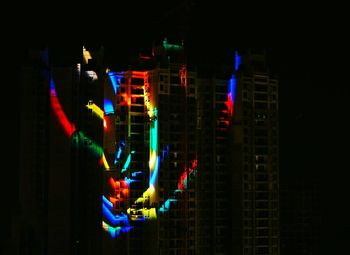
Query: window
221, 89
137, 108
260, 88
261, 177
262, 250
262, 214
261, 150
262, 232
137, 128
262, 241
174, 80
137, 91
261, 132
138, 118
259, 79
260, 167
261, 141
262, 223
260, 96
139, 100
261, 187
261, 105
259, 159
137, 81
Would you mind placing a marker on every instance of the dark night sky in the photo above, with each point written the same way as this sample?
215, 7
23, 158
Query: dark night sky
308, 50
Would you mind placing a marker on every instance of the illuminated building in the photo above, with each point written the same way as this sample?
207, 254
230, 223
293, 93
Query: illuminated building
255, 162
155, 116
156, 158
129, 151
177, 137
183, 122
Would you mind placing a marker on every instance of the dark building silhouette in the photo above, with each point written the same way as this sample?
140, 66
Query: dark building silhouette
59, 193
300, 218
255, 157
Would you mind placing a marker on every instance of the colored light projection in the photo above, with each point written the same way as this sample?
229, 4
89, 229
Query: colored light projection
108, 107
127, 162
116, 221
169, 46
86, 55
78, 137
67, 126
186, 177
183, 75
238, 61
140, 209
115, 80
231, 94
95, 109
118, 154
137, 211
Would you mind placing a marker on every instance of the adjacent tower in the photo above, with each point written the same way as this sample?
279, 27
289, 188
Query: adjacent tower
255, 161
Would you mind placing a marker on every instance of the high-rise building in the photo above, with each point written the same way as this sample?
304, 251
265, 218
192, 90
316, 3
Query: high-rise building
60, 178
213, 180
171, 143
157, 158
255, 161
32, 232
87, 153
177, 132
155, 150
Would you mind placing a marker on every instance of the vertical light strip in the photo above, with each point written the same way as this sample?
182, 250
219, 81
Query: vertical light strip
154, 158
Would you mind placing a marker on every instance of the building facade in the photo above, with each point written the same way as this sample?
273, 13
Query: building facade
255, 152
157, 158
60, 178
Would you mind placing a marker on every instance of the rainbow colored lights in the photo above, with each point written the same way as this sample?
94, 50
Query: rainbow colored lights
117, 217
153, 149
